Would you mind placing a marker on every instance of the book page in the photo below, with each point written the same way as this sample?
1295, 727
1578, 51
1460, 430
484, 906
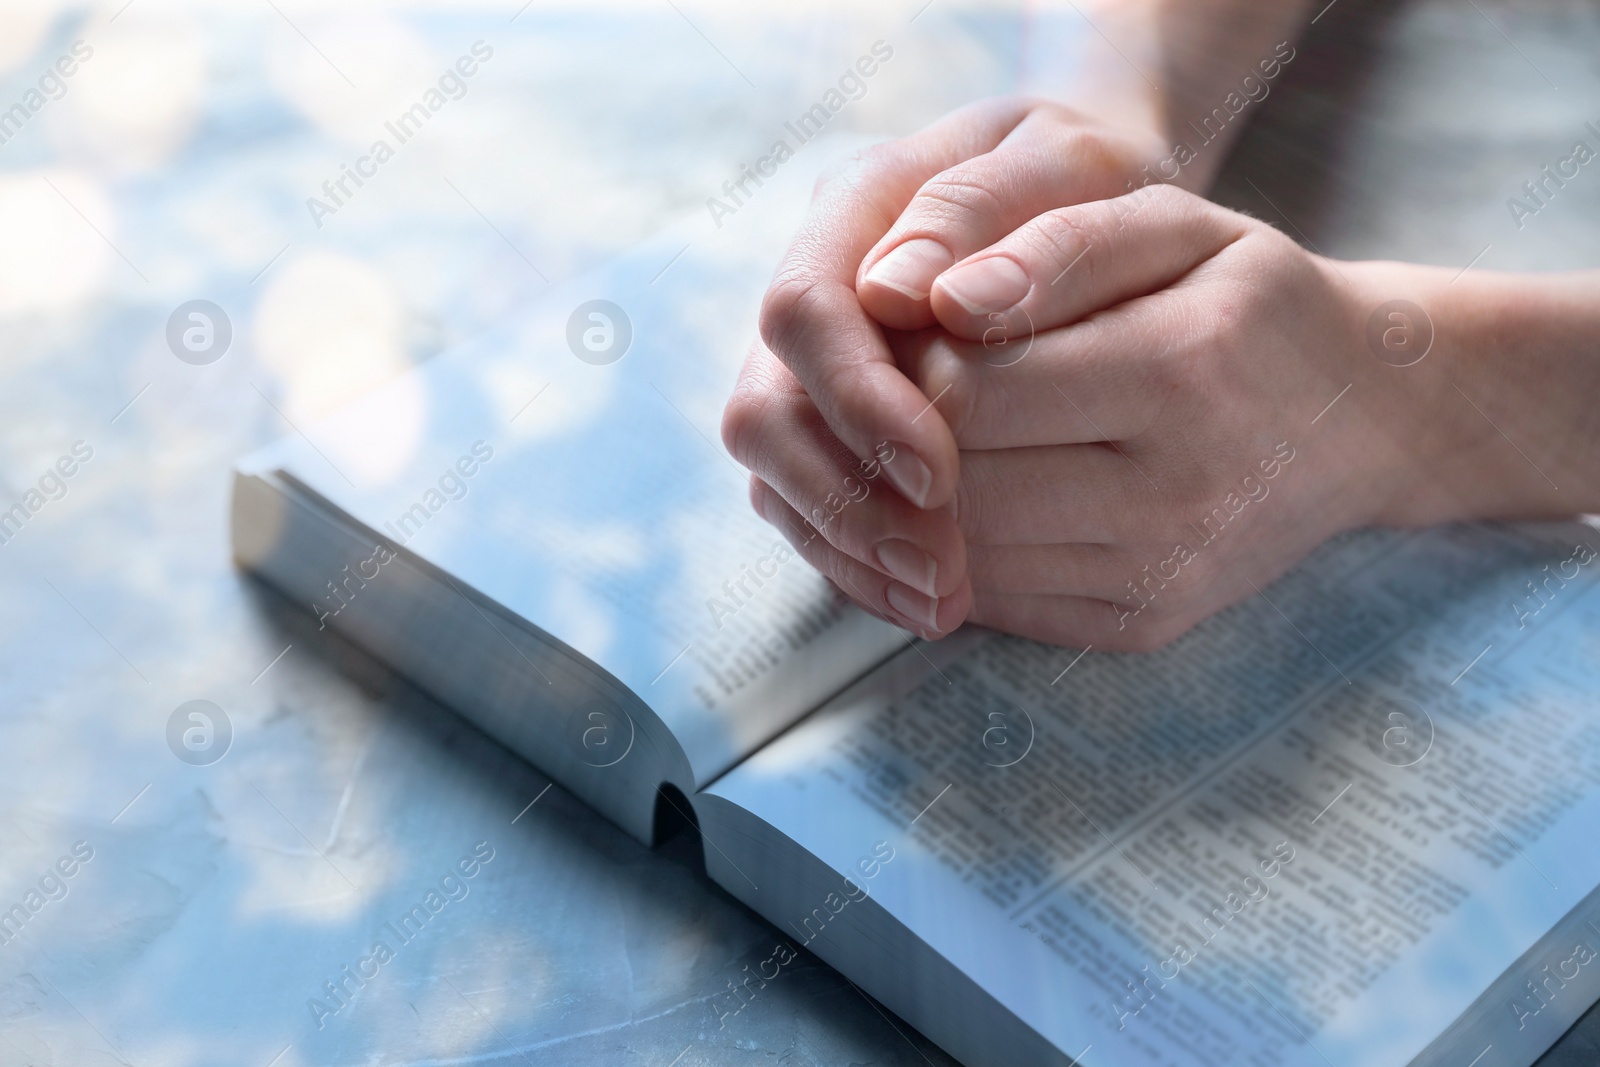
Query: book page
568, 465
1313, 830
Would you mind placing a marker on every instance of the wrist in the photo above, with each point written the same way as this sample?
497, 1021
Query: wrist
1496, 417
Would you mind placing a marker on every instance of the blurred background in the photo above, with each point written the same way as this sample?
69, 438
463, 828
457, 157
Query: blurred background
175, 164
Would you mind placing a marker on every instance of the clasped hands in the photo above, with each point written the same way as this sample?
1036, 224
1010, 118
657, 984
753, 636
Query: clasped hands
1003, 377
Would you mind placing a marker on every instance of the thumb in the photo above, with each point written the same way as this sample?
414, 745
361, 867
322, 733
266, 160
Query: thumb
1053, 157
1071, 262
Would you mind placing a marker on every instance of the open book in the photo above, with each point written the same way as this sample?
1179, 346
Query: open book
1352, 821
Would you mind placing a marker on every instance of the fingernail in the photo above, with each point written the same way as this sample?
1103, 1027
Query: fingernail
910, 475
908, 563
910, 268
924, 611
987, 285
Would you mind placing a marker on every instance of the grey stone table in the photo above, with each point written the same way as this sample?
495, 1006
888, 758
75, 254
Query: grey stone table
210, 904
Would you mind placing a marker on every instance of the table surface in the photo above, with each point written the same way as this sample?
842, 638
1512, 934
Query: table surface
219, 899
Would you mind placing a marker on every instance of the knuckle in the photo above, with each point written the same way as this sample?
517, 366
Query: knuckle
790, 300
764, 401
1065, 237
797, 309
956, 198
741, 421
1093, 149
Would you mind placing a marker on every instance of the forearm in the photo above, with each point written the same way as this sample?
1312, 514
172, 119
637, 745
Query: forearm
1190, 72
1501, 418
1220, 61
